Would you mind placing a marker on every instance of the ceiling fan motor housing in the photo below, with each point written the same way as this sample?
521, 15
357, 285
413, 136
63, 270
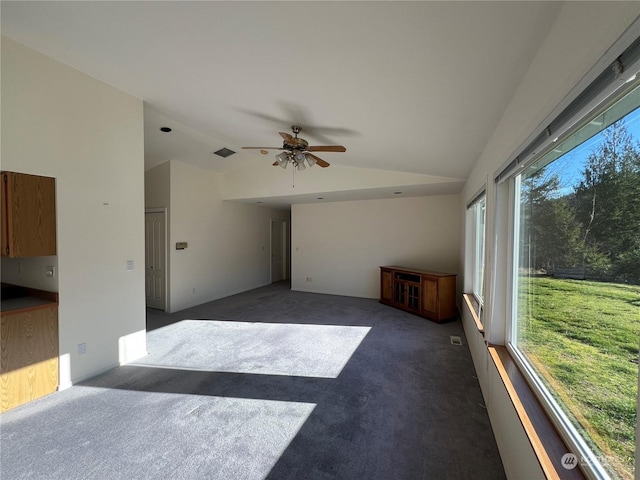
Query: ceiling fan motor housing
298, 144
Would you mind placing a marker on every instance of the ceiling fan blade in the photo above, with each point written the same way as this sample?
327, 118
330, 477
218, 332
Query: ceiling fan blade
327, 148
275, 164
287, 138
263, 148
320, 162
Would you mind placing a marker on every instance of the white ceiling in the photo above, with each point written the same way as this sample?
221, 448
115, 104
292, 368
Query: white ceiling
407, 86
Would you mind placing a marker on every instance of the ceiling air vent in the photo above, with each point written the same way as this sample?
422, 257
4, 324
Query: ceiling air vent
224, 152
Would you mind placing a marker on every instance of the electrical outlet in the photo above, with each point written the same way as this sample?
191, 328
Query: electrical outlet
129, 264
82, 348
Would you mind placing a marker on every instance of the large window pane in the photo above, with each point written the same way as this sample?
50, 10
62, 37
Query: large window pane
577, 286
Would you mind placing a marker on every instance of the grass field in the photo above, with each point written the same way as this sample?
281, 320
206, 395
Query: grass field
583, 337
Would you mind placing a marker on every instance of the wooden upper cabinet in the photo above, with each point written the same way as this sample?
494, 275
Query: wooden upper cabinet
28, 215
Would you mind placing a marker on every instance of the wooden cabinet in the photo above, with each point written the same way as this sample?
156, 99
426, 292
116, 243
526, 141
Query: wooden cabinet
386, 286
28, 215
429, 294
28, 354
406, 291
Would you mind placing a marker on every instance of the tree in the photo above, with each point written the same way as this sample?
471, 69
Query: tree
607, 204
551, 236
598, 225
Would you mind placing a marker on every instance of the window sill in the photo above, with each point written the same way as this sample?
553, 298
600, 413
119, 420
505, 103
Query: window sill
474, 308
541, 432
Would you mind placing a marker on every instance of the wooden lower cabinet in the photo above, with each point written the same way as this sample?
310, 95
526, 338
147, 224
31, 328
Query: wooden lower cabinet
28, 355
430, 297
426, 293
386, 286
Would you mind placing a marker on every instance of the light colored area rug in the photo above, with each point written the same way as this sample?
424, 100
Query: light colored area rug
258, 348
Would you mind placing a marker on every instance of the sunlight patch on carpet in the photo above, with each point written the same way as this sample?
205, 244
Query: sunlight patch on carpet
247, 439
256, 348
152, 435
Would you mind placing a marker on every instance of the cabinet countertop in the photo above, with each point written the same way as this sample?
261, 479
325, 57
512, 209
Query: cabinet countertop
23, 303
17, 299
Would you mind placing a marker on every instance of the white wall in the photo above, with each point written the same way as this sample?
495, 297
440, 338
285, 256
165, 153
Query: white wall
61, 123
264, 180
340, 245
157, 186
29, 272
583, 32
228, 242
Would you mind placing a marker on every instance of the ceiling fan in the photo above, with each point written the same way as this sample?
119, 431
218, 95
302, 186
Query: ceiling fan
297, 151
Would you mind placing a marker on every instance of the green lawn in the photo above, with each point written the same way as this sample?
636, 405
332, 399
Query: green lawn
584, 337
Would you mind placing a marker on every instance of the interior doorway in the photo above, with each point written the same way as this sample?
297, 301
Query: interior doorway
155, 268
279, 250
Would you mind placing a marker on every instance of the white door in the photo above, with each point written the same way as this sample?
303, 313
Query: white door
155, 263
278, 250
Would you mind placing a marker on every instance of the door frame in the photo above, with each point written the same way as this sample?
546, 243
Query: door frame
162, 210
284, 225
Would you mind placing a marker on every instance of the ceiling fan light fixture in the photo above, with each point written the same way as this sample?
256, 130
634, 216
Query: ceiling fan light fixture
283, 159
301, 166
311, 161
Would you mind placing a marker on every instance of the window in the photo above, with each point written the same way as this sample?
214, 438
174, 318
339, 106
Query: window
479, 215
475, 248
576, 284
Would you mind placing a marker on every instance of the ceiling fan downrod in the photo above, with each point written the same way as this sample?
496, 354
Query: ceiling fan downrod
294, 143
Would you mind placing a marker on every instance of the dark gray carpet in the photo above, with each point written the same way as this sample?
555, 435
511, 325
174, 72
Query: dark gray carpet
269, 384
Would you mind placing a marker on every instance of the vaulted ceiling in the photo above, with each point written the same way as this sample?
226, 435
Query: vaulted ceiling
414, 87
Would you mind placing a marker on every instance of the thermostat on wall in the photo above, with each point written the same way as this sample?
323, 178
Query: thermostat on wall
181, 245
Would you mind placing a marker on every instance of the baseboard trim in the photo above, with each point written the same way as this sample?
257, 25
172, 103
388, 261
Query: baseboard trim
88, 376
328, 292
